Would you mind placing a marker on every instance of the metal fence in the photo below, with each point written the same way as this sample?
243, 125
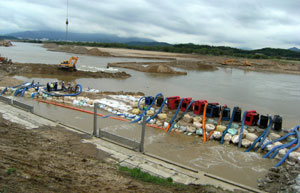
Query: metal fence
97, 132
17, 104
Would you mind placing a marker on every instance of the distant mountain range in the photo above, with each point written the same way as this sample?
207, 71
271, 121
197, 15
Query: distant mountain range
61, 36
295, 49
139, 42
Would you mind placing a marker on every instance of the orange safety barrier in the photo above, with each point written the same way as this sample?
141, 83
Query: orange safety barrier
203, 123
90, 112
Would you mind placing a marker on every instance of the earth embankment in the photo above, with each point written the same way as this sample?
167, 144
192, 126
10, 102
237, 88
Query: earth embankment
47, 70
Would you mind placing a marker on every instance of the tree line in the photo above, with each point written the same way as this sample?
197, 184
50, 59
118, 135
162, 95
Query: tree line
264, 53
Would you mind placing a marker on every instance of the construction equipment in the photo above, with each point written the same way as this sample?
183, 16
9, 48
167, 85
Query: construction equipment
69, 65
248, 63
228, 61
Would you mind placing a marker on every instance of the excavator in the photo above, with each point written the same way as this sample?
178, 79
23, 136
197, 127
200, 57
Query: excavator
69, 65
247, 63
228, 61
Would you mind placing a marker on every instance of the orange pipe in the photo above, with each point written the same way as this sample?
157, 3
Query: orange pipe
203, 123
90, 112
167, 129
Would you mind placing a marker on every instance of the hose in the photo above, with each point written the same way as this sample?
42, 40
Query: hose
279, 139
283, 146
242, 129
20, 85
62, 95
179, 118
145, 111
292, 149
143, 97
266, 135
203, 122
33, 94
229, 125
3, 91
262, 136
17, 91
25, 89
159, 111
175, 115
278, 146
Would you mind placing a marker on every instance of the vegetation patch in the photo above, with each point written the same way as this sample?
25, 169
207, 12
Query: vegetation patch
146, 177
10, 171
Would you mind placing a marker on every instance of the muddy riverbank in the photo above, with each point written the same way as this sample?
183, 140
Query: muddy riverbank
282, 179
50, 71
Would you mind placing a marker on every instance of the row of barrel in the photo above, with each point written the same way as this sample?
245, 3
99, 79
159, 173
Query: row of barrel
214, 109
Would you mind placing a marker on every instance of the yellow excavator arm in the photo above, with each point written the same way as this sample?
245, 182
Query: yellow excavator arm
73, 59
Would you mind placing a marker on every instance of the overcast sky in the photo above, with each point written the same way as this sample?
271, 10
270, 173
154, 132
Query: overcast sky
238, 23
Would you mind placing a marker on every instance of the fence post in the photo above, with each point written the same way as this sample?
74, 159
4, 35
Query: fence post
95, 119
141, 149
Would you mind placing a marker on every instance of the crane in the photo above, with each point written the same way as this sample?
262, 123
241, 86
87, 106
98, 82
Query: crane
67, 20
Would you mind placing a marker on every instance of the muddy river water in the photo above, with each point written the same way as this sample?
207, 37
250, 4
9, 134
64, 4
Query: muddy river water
267, 93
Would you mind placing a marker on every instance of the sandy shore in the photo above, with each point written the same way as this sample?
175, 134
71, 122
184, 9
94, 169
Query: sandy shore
188, 61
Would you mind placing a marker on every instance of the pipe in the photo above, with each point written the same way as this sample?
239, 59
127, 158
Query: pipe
203, 123
262, 136
242, 129
175, 115
292, 149
229, 125
179, 118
